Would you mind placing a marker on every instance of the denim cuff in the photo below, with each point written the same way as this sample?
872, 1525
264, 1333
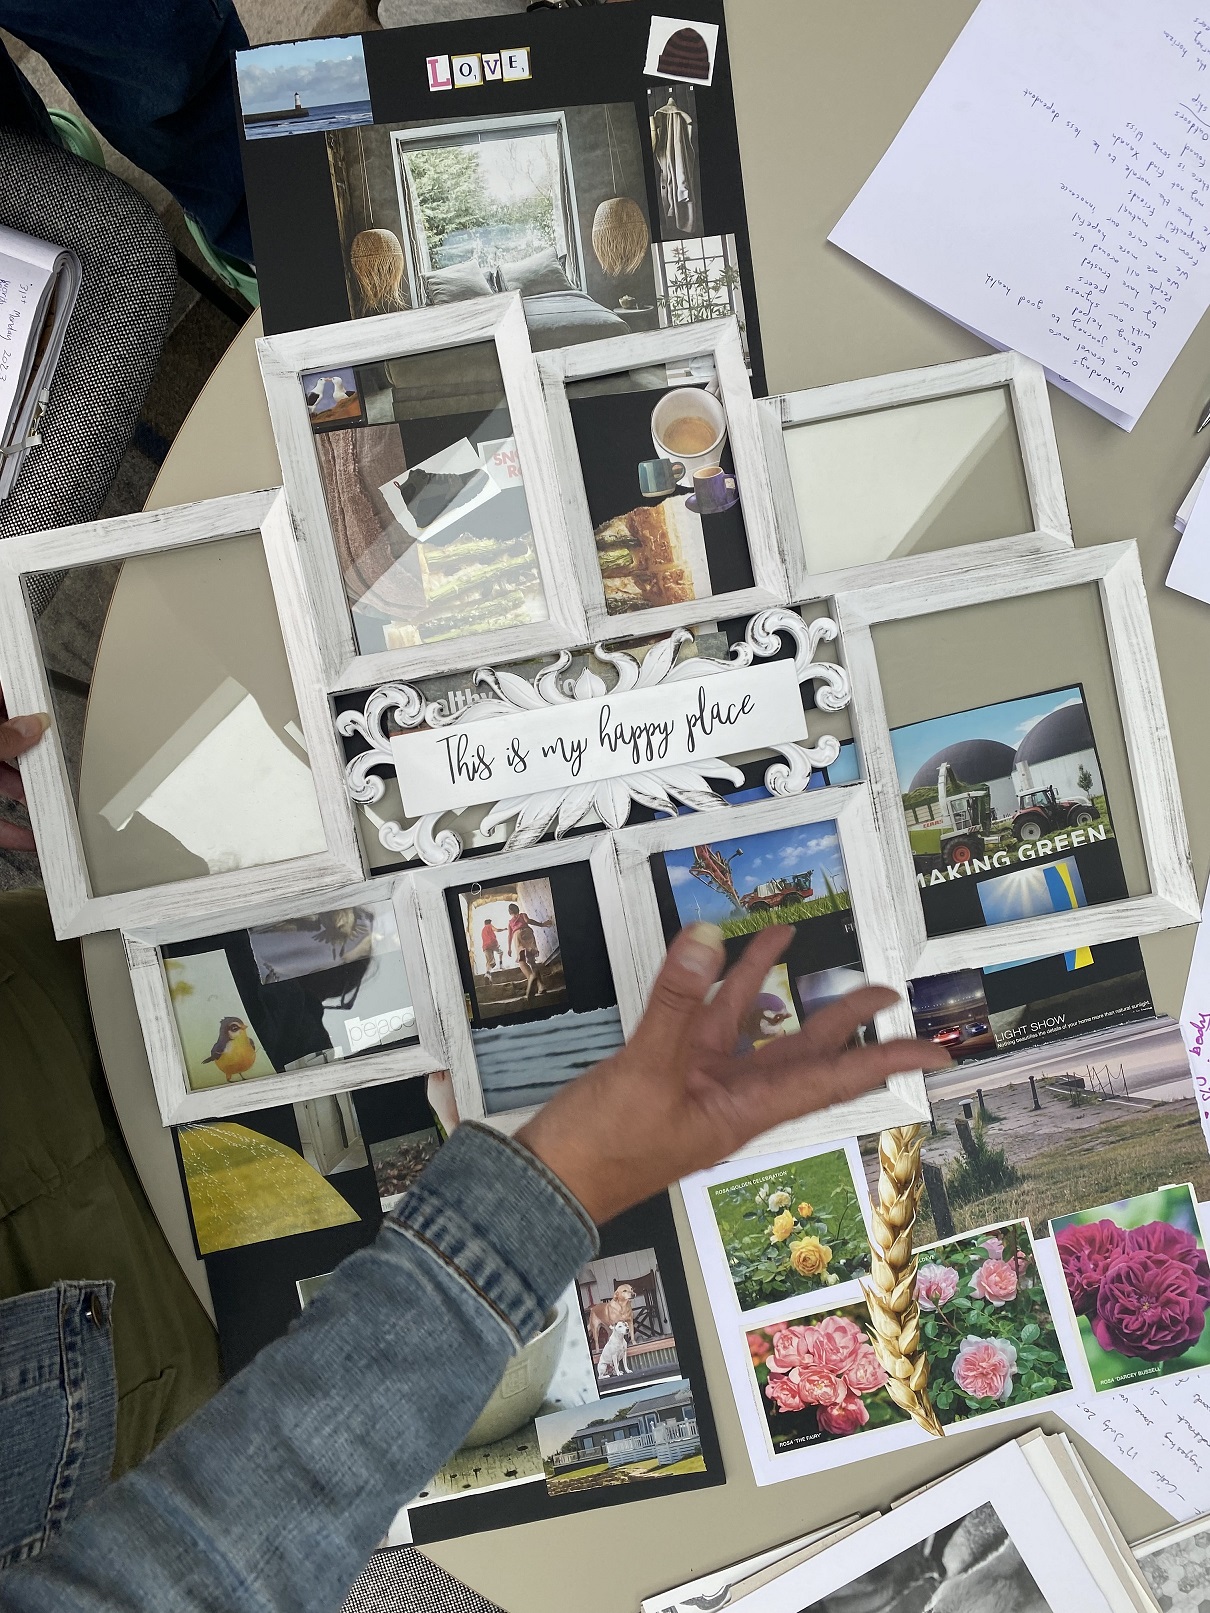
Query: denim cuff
493, 1214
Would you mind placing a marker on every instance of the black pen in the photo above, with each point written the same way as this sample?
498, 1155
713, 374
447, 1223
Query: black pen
1204, 421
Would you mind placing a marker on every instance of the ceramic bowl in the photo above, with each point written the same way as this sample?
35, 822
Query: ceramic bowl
522, 1389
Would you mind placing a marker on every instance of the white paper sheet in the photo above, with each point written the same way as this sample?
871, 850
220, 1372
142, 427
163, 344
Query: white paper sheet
1195, 1020
1189, 572
1158, 1435
1181, 519
1051, 190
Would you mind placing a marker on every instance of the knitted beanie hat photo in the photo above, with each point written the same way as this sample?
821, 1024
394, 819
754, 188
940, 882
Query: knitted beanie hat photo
686, 55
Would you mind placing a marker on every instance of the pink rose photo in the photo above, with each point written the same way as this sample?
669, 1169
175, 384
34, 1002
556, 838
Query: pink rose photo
986, 1325
819, 1378
1139, 1283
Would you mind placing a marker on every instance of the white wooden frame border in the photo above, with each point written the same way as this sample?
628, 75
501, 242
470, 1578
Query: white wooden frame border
1026, 384
440, 946
902, 1102
720, 340
74, 908
178, 1102
1115, 568
500, 319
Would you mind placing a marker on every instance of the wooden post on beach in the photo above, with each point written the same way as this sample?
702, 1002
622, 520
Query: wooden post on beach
934, 1186
966, 1137
1033, 1087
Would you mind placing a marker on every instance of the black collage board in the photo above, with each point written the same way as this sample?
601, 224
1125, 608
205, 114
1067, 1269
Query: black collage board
587, 57
255, 1297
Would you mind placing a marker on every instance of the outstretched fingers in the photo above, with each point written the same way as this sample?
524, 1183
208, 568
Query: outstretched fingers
788, 1088
741, 983
695, 959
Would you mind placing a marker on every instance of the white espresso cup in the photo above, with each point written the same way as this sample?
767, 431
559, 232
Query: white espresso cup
690, 425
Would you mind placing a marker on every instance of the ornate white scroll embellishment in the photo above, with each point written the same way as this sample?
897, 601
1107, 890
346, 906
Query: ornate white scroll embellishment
402, 706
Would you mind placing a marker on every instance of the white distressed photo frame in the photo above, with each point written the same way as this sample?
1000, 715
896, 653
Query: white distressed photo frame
1115, 569
902, 1102
499, 319
440, 947
179, 1103
718, 339
74, 908
1025, 382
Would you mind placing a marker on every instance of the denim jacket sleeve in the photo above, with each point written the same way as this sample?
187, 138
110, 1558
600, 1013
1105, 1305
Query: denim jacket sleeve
272, 1497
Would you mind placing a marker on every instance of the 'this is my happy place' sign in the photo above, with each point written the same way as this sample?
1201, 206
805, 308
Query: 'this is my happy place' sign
585, 741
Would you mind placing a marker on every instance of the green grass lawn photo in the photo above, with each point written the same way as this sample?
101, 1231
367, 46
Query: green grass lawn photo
600, 1474
1088, 1154
793, 913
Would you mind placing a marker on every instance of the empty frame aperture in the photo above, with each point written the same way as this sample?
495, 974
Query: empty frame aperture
871, 477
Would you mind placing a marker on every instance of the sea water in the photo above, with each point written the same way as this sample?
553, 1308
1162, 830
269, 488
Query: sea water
341, 115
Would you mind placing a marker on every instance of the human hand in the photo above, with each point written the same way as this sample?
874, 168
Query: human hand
677, 1098
17, 735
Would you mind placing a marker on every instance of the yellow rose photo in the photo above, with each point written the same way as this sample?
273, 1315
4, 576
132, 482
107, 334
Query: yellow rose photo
791, 1231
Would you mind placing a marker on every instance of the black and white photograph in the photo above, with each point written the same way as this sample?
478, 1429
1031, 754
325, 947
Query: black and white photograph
966, 1567
1176, 1565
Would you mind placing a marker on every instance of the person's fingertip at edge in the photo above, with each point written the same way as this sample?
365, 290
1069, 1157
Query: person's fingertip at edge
19, 734
694, 962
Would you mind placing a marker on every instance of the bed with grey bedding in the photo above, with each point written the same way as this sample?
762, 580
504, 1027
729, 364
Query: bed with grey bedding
464, 380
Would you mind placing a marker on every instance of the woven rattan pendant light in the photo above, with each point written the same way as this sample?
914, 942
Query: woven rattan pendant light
376, 258
620, 236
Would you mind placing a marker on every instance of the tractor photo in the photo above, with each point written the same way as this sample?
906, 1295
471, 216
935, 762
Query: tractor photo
963, 821
713, 869
1040, 812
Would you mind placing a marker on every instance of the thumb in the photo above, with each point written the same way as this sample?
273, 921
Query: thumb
19, 734
692, 966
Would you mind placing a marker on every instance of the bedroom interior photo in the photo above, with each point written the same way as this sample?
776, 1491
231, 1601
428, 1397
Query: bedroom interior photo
552, 204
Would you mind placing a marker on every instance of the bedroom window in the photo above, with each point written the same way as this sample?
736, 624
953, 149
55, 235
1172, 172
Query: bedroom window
697, 280
490, 194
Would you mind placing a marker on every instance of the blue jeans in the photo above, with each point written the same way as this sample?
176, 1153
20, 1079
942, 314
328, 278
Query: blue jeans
58, 1410
271, 1498
155, 77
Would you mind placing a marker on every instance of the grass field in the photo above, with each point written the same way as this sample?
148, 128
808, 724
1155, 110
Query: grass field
1136, 1154
601, 1474
749, 923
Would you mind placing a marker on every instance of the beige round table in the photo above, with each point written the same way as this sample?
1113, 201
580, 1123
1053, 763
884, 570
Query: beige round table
821, 89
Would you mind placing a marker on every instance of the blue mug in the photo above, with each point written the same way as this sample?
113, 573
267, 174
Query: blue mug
659, 476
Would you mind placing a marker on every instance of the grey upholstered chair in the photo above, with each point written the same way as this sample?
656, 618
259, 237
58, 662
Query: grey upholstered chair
113, 340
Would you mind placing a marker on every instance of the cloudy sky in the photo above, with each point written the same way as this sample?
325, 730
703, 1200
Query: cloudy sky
1009, 722
325, 72
776, 854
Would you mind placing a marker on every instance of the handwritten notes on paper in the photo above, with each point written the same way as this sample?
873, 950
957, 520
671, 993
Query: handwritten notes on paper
1195, 1019
1158, 1434
467, 764
1051, 190
22, 285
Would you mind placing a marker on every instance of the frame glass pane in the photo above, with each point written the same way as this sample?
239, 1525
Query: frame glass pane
906, 480
182, 740
426, 497
1012, 759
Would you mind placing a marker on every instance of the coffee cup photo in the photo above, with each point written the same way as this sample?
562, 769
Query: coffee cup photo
713, 491
658, 477
689, 425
